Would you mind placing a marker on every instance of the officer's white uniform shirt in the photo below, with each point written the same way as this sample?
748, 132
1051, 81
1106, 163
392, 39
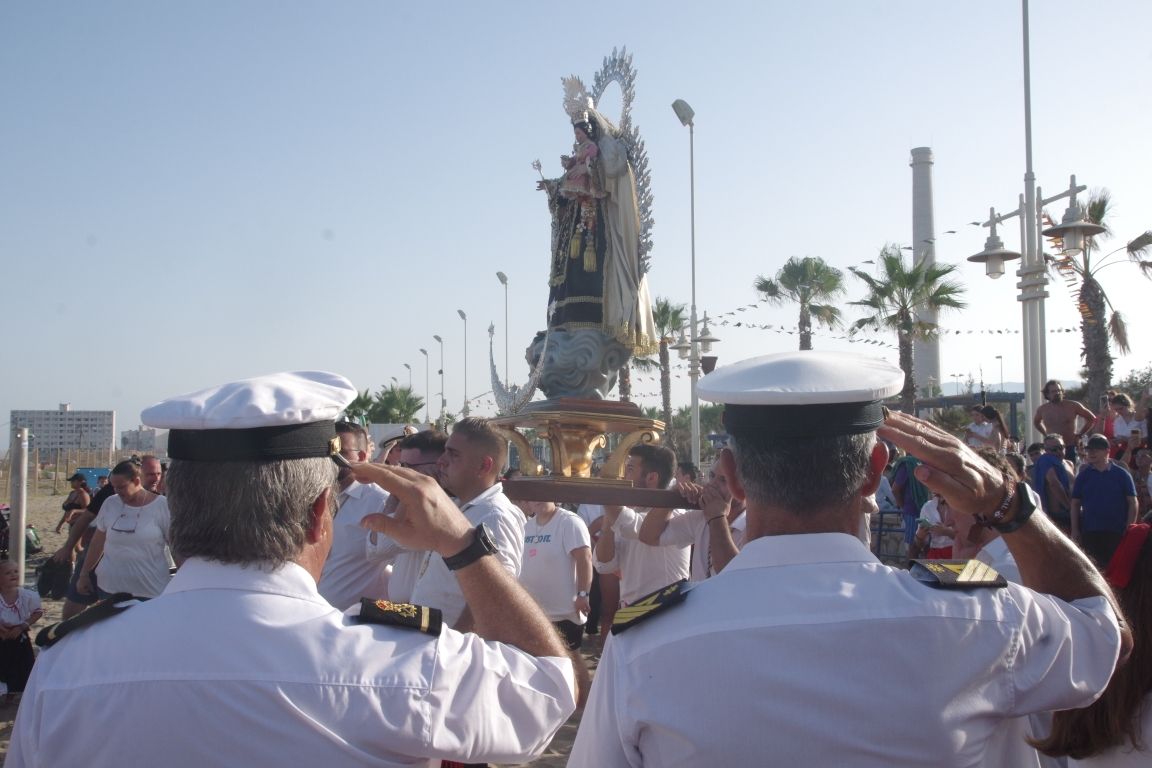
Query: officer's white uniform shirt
242, 666
643, 568
437, 587
758, 666
348, 573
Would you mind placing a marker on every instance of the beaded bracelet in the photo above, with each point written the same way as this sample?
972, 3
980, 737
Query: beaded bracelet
997, 518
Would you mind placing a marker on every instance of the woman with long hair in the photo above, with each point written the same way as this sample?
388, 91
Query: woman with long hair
1000, 435
1116, 730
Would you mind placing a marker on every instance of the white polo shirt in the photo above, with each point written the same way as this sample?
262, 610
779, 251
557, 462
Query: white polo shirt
759, 666
436, 586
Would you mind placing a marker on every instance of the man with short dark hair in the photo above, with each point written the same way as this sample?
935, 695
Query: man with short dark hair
241, 661
643, 568
420, 452
755, 665
686, 472
470, 468
1103, 502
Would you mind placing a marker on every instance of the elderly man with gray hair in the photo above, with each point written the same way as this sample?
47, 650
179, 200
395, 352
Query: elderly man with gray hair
241, 661
761, 664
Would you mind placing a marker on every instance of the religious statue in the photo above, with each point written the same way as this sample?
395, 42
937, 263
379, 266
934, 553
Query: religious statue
599, 308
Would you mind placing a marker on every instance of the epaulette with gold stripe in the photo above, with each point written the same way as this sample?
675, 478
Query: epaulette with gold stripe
421, 617
957, 574
650, 605
98, 611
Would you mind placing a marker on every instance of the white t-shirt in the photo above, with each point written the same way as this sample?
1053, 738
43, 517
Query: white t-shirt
685, 528
981, 433
548, 571
27, 603
136, 557
644, 569
1122, 428
931, 511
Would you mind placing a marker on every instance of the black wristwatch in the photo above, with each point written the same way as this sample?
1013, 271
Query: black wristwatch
481, 545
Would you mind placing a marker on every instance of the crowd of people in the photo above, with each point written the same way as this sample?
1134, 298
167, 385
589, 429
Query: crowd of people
723, 624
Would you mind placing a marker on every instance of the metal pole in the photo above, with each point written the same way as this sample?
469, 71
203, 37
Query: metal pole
1032, 278
19, 468
466, 409
507, 381
694, 362
427, 392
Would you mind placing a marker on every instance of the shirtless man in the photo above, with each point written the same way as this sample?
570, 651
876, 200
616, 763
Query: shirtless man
1059, 416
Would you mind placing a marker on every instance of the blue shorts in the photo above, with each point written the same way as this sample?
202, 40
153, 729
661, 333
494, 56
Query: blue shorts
75, 596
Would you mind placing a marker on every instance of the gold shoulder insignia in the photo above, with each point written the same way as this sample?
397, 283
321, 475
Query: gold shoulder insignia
650, 605
98, 611
427, 620
957, 574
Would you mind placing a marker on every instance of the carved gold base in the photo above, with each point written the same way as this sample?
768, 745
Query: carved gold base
576, 429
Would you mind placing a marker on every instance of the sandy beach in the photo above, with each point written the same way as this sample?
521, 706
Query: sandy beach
44, 511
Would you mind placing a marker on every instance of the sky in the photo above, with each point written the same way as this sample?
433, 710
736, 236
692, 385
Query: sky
192, 193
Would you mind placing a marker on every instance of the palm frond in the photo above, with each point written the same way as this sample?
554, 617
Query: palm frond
1118, 329
1137, 249
825, 314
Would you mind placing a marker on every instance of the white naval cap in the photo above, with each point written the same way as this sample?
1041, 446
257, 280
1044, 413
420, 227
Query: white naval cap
279, 416
803, 394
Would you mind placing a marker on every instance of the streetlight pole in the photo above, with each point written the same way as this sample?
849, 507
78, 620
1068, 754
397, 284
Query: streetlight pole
443, 398
409, 375
464, 317
427, 394
686, 115
1033, 279
503, 278
1001, 359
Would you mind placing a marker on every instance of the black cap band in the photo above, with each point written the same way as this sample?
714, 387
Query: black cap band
798, 421
293, 441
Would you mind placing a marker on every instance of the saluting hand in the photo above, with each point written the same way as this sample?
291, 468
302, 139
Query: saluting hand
425, 519
950, 468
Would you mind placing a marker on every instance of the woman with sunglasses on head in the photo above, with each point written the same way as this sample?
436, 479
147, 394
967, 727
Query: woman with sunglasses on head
129, 551
1116, 730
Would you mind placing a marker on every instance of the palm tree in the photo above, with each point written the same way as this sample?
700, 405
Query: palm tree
668, 318
1080, 274
806, 281
395, 405
357, 410
898, 296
